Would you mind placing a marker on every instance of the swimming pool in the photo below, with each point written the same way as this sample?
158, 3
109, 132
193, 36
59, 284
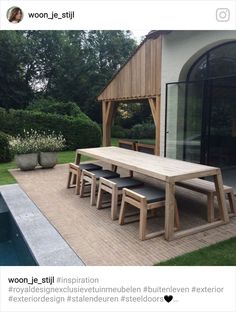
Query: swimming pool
13, 249
27, 238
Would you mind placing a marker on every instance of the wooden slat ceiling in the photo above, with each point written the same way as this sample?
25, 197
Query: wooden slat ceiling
139, 77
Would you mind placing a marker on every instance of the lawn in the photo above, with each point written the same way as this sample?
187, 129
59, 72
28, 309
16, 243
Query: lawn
7, 178
223, 253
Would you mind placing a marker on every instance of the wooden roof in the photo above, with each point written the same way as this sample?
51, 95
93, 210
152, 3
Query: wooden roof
139, 77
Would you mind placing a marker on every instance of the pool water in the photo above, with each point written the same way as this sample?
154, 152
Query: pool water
8, 255
13, 249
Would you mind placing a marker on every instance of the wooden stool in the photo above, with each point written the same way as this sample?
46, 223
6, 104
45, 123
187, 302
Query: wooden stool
208, 188
114, 187
144, 198
75, 174
91, 177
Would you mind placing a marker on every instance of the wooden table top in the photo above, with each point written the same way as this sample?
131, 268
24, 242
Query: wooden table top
165, 169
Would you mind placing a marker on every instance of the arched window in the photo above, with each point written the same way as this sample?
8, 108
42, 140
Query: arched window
217, 62
201, 111
210, 106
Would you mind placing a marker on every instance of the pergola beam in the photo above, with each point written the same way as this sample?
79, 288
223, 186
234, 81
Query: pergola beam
108, 111
155, 109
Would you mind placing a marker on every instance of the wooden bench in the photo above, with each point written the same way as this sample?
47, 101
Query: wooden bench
208, 188
144, 198
91, 178
114, 187
145, 148
74, 176
128, 144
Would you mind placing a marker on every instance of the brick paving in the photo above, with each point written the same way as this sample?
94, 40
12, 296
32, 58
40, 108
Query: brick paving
100, 241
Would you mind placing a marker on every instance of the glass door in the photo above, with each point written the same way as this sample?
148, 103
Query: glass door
220, 120
184, 111
201, 121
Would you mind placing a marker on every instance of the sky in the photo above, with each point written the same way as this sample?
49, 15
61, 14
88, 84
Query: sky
138, 34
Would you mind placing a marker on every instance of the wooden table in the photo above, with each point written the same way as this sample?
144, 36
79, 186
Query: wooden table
166, 170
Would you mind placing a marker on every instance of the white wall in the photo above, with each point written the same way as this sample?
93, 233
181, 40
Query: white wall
179, 51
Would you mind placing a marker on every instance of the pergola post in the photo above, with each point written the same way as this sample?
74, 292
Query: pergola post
108, 110
155, 108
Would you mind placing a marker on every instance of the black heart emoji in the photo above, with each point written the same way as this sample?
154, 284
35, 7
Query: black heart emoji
168, 298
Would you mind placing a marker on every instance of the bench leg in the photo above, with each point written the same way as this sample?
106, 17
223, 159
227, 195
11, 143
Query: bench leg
221, 197
82, 187
154, 213
177, 223
93, 192
69, 180
99, 199
122, 211
114, 168
210, 207
74, 179
169, 211
77, 185
114, 203
143, 222
232, 203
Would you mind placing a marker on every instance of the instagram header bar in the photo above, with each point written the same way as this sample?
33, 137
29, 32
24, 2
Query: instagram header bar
129, 14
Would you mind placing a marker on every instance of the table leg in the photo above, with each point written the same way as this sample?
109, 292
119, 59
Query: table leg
169, 210
221, 197
114, 168
77, 158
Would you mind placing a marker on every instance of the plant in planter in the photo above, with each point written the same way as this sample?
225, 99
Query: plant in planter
50, 144
25, 148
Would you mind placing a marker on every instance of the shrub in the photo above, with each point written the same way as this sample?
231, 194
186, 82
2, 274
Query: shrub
25, 144
78, 131
139, 131
143, 131
52, 106
34, 142
5, 152
50, 142
119, 132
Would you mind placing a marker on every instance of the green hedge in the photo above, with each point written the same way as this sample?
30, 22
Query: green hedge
78, 131
52, 106
5, 154
143, 131
139, 131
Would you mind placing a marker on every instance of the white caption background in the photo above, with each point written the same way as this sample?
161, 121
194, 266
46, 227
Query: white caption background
168, 15
192, 278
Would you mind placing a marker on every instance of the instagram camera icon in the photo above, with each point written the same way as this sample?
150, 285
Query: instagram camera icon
222, 15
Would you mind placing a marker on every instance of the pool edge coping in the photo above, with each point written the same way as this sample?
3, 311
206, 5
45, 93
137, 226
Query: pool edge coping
30, 220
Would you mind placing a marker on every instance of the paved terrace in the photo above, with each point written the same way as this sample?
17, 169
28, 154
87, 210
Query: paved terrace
100, 241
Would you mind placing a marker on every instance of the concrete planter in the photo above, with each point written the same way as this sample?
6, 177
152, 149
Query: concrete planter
48, 159
26, 161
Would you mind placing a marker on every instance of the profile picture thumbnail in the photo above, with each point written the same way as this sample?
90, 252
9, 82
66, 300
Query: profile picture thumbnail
14, 15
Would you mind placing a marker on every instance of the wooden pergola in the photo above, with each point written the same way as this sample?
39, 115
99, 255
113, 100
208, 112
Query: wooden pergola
138, 80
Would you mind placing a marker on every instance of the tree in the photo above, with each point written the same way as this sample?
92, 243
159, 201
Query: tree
86, 63
106, 51
15, 91
65, 65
